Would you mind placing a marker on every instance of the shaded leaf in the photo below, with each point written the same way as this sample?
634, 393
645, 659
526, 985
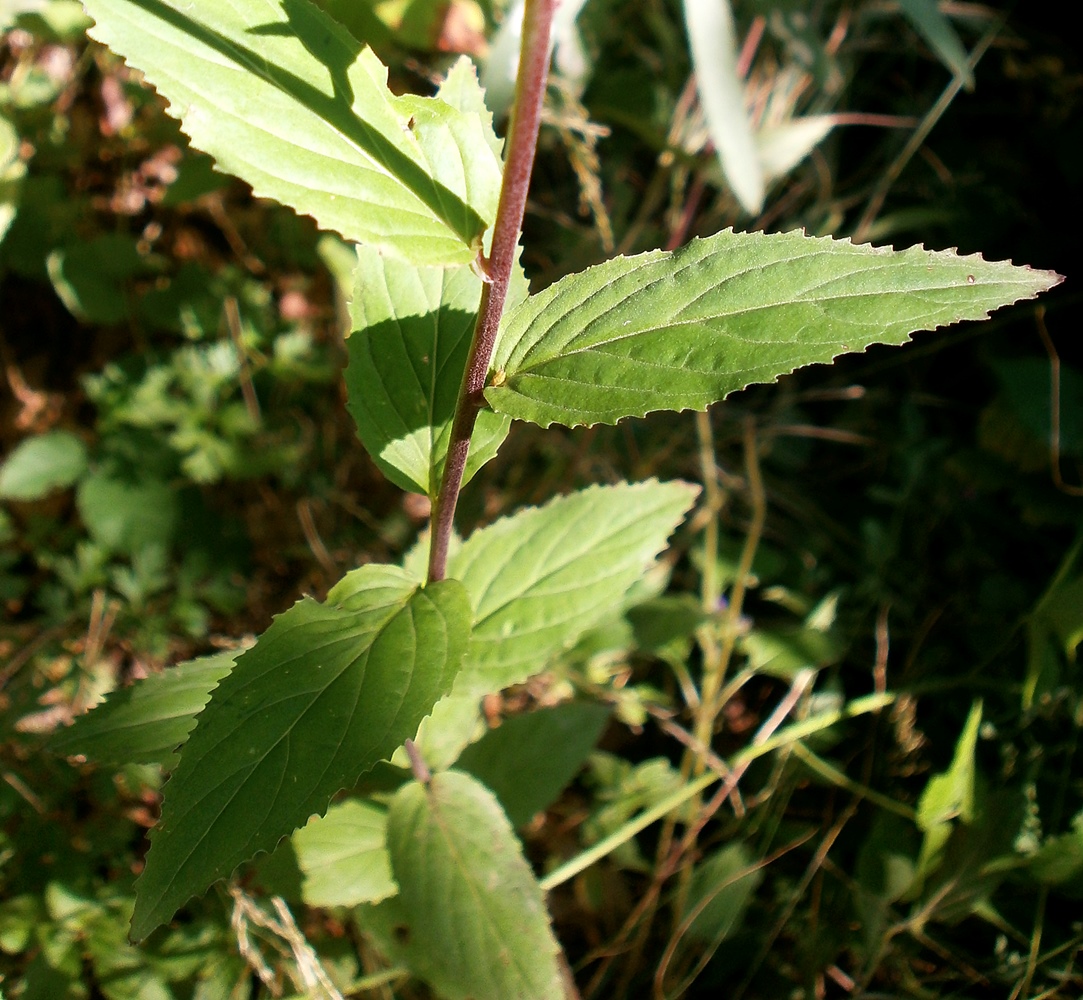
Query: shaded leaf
670, 331
721, 889
90, 277
538, 579
329, 690
411, 333
125, 515
783, 652
478, 928
146, 722
948, 797
343, 856
41, 464
1054, 628
528, 760
1060, 859
931, 23
284, 97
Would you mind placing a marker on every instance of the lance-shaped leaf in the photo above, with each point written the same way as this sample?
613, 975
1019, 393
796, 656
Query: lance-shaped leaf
411, 335
146, 722
538, 579
477, 924
682, 330
284, 97
329, 690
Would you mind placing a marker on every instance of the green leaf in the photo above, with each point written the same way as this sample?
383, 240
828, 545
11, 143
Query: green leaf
1054, 628
948, 797
329, 690
284, 97
721, 889
1060, 859
930, 22
344, 856
12, 170
125, 515
670, 331
41, 464
478, 928
529, 759
146, 722
540, 578
412, 328
91, 277
783, 652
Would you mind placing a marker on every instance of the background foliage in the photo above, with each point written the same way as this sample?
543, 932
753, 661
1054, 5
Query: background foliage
179, 466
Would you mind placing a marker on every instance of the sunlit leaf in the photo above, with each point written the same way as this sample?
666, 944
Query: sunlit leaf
538, 579
284, 97
682, 330
949, 797
343, 856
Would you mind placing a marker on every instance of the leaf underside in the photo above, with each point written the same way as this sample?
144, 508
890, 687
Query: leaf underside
477, 922
329, 690
682, 330
284, 97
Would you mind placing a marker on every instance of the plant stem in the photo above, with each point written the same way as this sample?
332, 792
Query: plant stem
522, 144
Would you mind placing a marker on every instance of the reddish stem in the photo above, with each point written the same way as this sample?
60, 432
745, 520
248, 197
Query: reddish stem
522, 143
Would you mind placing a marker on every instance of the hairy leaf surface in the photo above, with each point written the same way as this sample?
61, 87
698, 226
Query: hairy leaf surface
538, 579
329, 690
681, 330
147, 722
285, 98
478, 926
